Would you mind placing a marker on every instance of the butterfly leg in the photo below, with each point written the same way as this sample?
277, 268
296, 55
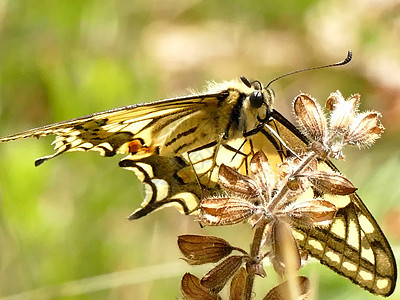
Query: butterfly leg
195, 173
221, 137
273, 132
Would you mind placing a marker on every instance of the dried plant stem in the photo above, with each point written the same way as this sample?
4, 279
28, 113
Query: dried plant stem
259, 232
254, 254
285, 189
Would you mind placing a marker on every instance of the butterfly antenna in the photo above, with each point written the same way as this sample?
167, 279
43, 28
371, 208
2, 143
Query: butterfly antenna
341, 63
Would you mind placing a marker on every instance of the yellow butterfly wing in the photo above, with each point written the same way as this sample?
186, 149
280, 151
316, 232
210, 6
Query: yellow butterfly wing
111, 132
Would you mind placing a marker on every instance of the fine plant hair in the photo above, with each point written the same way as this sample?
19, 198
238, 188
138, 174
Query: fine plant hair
274, 201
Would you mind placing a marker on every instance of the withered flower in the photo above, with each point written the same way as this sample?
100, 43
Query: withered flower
331, 183
311, 118
285, 252
282, 291
346, 124
192, 289
218, 276
342, 111
200, 249
365, 129
279, 214
237, 288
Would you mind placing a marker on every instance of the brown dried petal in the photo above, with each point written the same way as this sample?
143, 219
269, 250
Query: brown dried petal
365, 129
310, 117
218, 276
227, 210
192, 289
285, 252
200, 249
313, 212
282, 291
238, 284
343, 112
332, 183
233, 181
262, 171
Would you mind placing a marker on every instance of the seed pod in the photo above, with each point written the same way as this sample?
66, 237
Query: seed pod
238, 284
331, 183
227, 210
312, 212
261, 169
235, 182
218, 276
285, 252
365, 129
343, 111
310, 117
200, 249
192, 289
282, 291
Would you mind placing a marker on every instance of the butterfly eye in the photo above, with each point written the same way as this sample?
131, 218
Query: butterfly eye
256, 99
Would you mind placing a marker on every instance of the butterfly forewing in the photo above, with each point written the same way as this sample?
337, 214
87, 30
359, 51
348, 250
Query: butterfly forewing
112, 131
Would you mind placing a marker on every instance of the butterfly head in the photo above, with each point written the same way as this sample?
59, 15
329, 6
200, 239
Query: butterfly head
260, 96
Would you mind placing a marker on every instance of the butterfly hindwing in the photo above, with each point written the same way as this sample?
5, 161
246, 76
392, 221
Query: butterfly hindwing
164, 184
181, 181
353, 246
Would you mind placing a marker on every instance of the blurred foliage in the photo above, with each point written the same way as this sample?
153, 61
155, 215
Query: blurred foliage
62, 229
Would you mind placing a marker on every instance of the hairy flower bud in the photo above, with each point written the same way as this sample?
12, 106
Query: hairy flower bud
343, 111
310, 117
365, 130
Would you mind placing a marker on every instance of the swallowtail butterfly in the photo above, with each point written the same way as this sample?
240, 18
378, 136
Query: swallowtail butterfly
176, 146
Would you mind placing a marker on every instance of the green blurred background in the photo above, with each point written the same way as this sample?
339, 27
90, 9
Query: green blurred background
63, 232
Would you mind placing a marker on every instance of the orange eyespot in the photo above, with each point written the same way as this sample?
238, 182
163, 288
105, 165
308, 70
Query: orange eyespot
135, 146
